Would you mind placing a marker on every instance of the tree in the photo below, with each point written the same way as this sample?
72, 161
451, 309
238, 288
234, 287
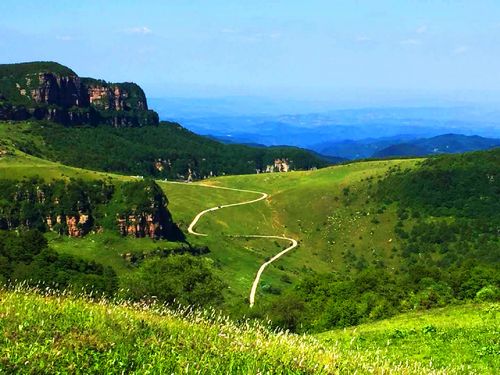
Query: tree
184, 279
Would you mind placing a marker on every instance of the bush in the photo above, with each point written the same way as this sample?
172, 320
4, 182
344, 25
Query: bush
488, 293
182, 279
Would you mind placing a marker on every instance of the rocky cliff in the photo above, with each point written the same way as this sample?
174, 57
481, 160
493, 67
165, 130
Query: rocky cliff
50, 91
78, 207
144, 211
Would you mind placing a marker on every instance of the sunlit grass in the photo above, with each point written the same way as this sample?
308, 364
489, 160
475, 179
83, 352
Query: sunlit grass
49, 332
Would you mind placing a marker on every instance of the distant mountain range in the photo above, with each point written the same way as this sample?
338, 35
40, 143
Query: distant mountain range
349, 133
359, 149
443, 144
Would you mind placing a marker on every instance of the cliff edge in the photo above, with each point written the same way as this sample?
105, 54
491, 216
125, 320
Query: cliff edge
53, 92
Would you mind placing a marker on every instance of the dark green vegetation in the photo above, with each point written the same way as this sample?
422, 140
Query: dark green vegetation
23, 69
182, 279
164, 151
25, 257
466, 185
448, 225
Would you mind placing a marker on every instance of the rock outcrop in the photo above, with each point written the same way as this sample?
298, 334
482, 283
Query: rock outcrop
50, 91
143, 225
144, 211
71, 225
77, 207
280, 165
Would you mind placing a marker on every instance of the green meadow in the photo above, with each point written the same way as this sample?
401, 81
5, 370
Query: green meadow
51, 332
340, 224
308, 206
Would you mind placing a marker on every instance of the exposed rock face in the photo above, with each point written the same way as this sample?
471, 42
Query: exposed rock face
50, 88
49, 91
145, 213
71, 225
280, 165
78, 207
115, 97
144, 225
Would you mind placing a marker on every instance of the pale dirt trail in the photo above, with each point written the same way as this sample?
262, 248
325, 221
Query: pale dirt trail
263, 196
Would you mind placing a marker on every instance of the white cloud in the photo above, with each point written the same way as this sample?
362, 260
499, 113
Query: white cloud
411, 42
363, 39
421, 29
139, 30
460, 50
65, 38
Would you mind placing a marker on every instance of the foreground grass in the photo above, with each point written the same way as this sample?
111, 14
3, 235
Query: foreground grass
47, 333
466, 338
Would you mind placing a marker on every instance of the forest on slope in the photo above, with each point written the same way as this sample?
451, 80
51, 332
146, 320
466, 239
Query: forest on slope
446, 229
164, 151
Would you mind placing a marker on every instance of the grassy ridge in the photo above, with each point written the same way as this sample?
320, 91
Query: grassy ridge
52, 333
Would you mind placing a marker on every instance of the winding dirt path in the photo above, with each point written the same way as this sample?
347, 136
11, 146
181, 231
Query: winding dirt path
263, 196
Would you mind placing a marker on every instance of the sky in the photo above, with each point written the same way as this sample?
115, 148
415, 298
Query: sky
307, 50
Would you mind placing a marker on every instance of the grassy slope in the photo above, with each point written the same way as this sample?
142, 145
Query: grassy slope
464, 337
185, 201
47, 333
309, 206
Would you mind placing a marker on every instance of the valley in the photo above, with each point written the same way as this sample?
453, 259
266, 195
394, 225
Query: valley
162, 245
279, 214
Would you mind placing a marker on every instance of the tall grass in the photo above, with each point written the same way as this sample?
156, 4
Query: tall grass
44, 331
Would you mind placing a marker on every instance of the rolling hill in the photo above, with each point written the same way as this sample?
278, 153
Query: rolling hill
89, 207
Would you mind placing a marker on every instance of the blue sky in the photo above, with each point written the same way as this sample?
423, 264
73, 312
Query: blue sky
302, 49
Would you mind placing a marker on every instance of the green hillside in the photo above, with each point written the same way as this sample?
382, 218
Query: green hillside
49, 333
356, 224
164, 151
462, 338
345, 227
